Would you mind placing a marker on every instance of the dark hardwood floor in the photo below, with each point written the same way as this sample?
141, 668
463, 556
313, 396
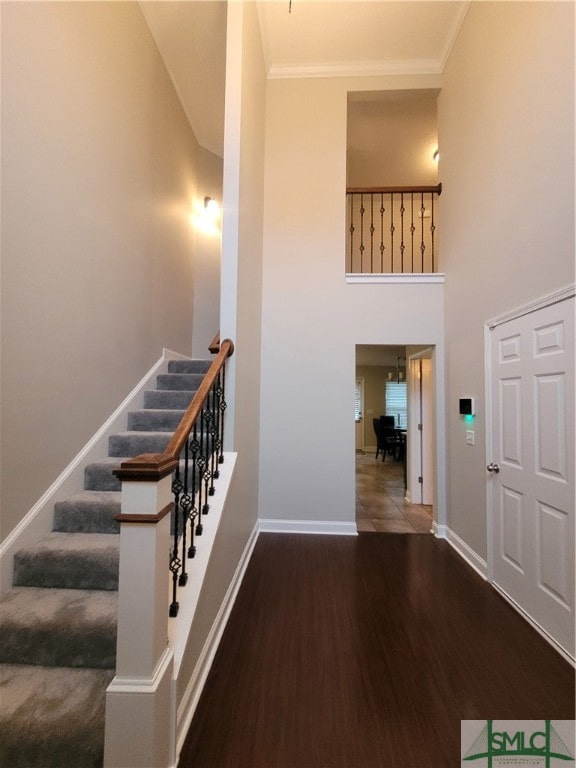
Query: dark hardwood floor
366, 652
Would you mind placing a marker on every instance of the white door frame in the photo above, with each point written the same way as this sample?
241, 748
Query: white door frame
413, 458
359, 434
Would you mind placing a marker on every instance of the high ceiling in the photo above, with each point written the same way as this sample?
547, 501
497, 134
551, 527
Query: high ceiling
357, 37
314, 38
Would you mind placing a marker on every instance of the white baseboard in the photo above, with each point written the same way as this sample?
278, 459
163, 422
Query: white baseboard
194, 688
329, 527
38, 521
466, 552
481, 567
541, 631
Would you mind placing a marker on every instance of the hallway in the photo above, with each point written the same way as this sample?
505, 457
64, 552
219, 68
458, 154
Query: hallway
380, 504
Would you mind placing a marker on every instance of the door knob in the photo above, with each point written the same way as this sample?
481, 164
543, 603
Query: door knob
493, 467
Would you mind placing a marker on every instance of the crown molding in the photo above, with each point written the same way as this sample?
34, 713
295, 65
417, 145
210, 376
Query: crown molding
357, 69
454, 32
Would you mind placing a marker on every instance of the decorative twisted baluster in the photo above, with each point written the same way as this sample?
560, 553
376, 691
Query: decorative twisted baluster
362, 248
412, 229
432, 230
351, 233
402, 246
422, 243
194, 449
382, 246
392, 230
175, 562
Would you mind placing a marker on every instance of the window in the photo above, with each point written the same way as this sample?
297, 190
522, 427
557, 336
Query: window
396, 403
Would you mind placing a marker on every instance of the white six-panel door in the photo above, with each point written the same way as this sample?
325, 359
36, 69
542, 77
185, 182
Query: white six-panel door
531, 466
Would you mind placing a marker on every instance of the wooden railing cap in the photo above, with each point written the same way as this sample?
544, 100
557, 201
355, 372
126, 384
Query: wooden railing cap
437, 189
146, 467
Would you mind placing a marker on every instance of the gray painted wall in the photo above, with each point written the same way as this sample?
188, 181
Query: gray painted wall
506, 129
100, 171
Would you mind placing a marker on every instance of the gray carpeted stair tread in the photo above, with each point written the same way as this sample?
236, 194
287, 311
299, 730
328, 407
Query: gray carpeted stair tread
136, 443
52, 717
179, 380
58, 623
58, 627
189, 366
155, 420
69, 561
170, 399
98, 475
88, 512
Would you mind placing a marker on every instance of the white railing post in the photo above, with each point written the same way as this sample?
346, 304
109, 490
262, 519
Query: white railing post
140, 727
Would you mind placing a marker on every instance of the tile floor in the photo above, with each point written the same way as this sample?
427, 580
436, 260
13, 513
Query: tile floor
380, 504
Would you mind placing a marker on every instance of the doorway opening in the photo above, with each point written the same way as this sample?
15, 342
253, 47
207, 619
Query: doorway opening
395, 438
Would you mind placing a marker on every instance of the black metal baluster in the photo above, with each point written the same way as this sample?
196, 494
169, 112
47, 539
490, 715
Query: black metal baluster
391, 232
402, 246
422, 244
351, 233
222, 408
175, 562
194, 448
203, 463
371, 233
200, 464
412, 230
432, 227
206, 451
185, 504
212, 432
382, 246
362, 248
217, 444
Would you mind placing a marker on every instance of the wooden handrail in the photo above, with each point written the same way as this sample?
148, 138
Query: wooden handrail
392, 190
156, 466
214, 346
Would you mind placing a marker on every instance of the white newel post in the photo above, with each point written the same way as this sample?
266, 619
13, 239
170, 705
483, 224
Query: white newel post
139, 731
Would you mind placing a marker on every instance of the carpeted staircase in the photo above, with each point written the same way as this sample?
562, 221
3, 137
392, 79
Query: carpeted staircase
58, 622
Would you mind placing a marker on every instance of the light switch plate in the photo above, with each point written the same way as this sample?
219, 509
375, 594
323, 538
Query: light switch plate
469, 437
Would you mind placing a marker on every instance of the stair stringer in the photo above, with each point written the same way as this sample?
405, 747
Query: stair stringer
38, 521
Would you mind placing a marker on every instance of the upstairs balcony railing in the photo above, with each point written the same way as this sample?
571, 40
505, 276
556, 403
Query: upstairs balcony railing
392, 230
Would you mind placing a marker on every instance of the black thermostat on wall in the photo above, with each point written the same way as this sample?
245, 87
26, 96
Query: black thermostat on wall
466, 406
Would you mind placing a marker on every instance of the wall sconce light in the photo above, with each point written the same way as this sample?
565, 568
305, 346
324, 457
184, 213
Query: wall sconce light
436, 156
211, 206
206, 217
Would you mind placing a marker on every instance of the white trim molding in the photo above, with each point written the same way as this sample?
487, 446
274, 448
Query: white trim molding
326, 527
357, 69
533, 623
464, 550
481, 567
545, 301
395, 278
